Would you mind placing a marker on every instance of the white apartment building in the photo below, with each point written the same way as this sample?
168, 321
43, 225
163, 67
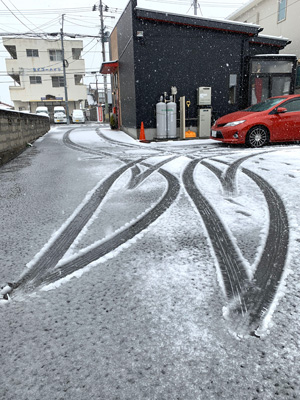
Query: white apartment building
37, 70
277, 18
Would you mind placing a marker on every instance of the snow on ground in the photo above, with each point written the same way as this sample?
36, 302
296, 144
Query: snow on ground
146, 322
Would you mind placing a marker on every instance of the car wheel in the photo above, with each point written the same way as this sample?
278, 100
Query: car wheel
257, 136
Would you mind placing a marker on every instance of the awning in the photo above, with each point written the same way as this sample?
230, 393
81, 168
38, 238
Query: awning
109, 67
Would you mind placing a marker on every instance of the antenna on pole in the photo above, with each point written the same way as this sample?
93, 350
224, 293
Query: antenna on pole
195, 6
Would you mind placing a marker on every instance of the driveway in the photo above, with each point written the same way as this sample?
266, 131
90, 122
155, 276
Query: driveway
166, 270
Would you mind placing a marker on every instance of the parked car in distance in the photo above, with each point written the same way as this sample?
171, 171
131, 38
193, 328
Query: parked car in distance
60, 117
59, 109
78, 117
275, 120
42, 111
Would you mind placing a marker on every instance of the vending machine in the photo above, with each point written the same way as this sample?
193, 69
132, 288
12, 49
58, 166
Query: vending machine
204, 111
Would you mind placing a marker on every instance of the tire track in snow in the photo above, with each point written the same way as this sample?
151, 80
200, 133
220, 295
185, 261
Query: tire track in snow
263, 287
228, 178
270, 267
139, 178
75, 146
117, 240
229, 261
61, 244
49, 259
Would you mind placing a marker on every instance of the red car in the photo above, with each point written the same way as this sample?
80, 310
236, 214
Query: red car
275, 120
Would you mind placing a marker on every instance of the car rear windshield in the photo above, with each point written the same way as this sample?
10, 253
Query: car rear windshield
265, 105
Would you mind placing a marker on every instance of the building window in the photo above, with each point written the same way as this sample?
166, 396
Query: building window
32, 52
76, 53
35, 80
232, 88
57, 81
78, 79
55, 55
281, 10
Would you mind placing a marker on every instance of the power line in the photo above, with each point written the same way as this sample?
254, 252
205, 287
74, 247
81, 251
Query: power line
75, 23
23, 15
15, 15
43, 11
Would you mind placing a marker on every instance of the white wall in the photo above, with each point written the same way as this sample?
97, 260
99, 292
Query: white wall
265, 12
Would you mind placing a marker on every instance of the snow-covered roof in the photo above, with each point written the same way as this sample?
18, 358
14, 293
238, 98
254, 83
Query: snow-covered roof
196, 21
277, 41
200, 18
273, 37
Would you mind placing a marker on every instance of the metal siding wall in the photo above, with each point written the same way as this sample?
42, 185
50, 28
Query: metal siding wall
185, 57
126, 67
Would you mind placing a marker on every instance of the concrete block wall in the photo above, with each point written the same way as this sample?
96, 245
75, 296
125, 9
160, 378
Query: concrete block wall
17, 129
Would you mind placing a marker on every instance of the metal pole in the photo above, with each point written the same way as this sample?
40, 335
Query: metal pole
103, 58
64, 68
97, 94
195, 7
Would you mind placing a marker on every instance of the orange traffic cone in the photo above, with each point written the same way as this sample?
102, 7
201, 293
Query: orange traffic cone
142, 134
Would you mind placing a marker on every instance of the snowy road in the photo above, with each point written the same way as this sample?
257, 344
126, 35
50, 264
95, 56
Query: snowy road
183, 254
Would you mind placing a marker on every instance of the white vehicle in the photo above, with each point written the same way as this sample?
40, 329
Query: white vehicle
78, 117
42, 111
60, 117
59, 109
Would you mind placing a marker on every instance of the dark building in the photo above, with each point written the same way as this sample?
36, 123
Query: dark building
153, 51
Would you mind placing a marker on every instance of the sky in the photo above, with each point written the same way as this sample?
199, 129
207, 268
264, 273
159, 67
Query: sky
17, 16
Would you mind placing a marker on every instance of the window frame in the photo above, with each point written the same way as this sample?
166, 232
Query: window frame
33, 80
281, 13
60, 81
53, 54
34, 53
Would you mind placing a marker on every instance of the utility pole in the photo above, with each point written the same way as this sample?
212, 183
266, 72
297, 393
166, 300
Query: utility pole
64, 67
103, 57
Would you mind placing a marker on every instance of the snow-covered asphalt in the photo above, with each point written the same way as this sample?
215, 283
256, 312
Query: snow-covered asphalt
152, 271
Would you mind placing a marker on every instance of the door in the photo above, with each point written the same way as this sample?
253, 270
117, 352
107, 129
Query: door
290, 121
271, 75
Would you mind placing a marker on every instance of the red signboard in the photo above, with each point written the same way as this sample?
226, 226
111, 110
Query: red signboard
99, 114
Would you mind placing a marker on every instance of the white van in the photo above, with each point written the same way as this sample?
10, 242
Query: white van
78, 117
59, 109
59, 115
42, 111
